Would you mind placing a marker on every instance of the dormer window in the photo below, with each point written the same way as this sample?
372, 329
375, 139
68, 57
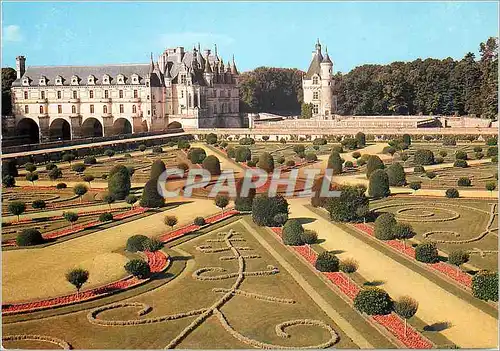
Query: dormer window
315, 80
58, 80
135, 79
42, 81
120, 79
91, 80
74, 80
26, 81
106, 79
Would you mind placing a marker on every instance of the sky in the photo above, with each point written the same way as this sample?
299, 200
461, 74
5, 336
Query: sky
277, 34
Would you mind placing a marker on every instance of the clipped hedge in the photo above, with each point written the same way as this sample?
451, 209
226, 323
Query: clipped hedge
485, 285
427, 253
384, 226
29, 237
292, 233
138, 268
327, 262
373, 301
136, 243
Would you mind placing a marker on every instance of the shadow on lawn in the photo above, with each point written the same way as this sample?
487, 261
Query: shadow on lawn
374, 283
437, 327
305, 220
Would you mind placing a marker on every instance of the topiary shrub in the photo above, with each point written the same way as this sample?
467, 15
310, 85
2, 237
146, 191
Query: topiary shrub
485, 285
39, 204
242, 154
406, 138
196, 155
492, 151
396, 174
136, 243
345, 208
448, 141
8, 181
152, 245
106, 217
423, 157
373, 301
491, 141
348, 164
231, 152
50, 166
384, 226
464, 181
311, 157
349, 143
389, 150
379, 184
138, 268
211, 138
335, 162
265, 208
212, 164
356, 155
157, 150
119, 182
266, 162
29, 237
90, 160
419, 169
61, 186
427, 253
199, 221
247, 141
452, 193
309, 236
360, 139
478, 149
292, 233
280, 219
372, 164
438, 160
460, 155
327, 262
290, 163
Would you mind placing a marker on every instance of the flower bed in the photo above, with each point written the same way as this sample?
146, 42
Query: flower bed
44, 187
158, 261
462, 278
392, 322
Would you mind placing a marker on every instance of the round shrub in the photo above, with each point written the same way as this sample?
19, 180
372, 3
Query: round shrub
458, 258
379, 184
90, 160
372, 164
231, 152
373, 301
50, 166
157, 150
452, 193
419, 169
152, 245
212, 164
109, 153
448, 141
348, 164
138, 268
396, 174
280, 219
247, 141
460, 155
142, 147
384, 226
464, 181
30, 167
478, 149
485, 285
478, 155
61, 186
335, 162
490, 186
460, 164
443, 153
211, 138
292, 233
39, 204
423, 157
242, 154
29, 237
311, 157
105, 217
491, 141
438, 160
119, 182
266, 162
492, 151
199, 221
309, 236
196, 155
427, 253
350, 206
430, 174
327, 262
265, 208
136, 243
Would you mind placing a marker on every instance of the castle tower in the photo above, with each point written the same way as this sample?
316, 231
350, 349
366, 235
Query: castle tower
326, 86
20, 66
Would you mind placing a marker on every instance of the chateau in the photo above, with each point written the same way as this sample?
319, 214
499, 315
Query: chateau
317, 85
181, 88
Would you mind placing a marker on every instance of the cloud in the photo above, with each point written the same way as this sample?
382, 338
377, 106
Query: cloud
188, 39
12, 33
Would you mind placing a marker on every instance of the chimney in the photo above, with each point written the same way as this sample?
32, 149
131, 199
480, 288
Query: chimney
179, 53
20, 66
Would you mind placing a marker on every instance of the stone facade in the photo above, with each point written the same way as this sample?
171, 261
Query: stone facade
317, 85
68, 102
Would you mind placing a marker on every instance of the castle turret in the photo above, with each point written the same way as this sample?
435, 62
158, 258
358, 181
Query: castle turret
208, 74
326, 85
20, 66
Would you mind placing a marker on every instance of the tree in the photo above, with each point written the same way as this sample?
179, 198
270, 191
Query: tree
348, 266
406, 307
71, 217
55, 173
384, 226
90, 160
396, 174
264, 209
460, 155
119, 182
406, 139
403, 231
8, 77
77, 277
171, 221
372, 164
423, 157
464, 181
211, 138
108, 198
458, 258
138, 268
78, 167
142, 148
266, 162
9, 167
29, 237
335, 163
379, 184
131, 200
106, 217
485, 285
196, 155
150, 196
30, 167
373, 301
212, 164
32, 177
157, 168
306, 110
490, 186
360, 139
152, 245
327, 262
39, 204
8, 181
415, 186
242, 154
426, 252
80, 190
452, 193
292, 233
17, 208
345, 208
88, 178
221, 201
136, 243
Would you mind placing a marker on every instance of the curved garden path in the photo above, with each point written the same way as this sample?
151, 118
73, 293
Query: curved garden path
470, 327
44, 276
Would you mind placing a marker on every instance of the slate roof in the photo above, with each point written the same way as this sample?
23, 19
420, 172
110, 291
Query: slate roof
83, 72
314, 67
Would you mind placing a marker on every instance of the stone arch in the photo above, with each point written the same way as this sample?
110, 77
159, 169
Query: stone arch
122, 126
92, 128
59, 129
28, 128
174, 125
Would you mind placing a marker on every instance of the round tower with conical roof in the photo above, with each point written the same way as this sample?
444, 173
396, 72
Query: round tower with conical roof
326, 85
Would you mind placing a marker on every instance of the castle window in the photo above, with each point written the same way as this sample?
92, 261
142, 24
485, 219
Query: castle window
75, 94
105, 79
315, 109
147, 84
59, 94
106, 94
195, 100
73, 109
136, 94
90, 80
42, 81
134, 109
182, 94
74, 80
189, 100
42, 94
91, 108
183, 79
26, 81
148, 97
121, 79
105, 109
315, 95
121, 108
26, 109
41, 109
315, 80
25, 95
120, 94
91, 94
149, 112
59, 108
